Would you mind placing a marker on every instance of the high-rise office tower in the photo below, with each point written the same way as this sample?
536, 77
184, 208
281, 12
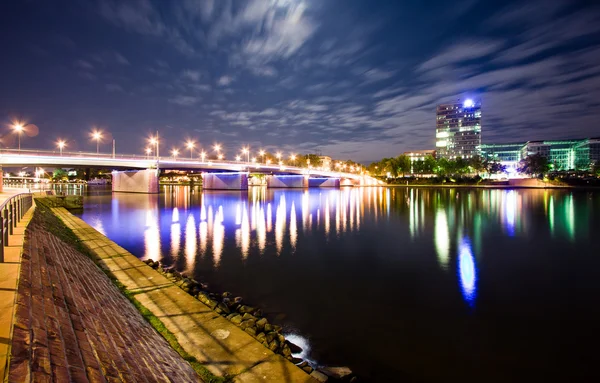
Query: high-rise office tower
458, 130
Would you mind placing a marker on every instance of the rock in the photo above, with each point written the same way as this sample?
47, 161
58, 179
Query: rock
336, 372
237, 319
258, 313
231, 315
238, 300
250, 330
274, 345
270, 336
319, 376
227, 301
285, 351
248, 323
224, 308
276, 328
227, 294
245, 309
296, 360
212, 303
261, 337
261, 323
202, 297
248, 316
303, 364
295, 349
308, 369
268, 327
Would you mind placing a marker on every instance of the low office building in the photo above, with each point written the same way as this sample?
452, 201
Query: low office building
419, 155
561, 154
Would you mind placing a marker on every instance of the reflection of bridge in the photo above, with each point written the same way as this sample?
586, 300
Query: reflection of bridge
138, 173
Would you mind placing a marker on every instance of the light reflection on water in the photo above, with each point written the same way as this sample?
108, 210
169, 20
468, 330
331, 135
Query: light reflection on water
454, 241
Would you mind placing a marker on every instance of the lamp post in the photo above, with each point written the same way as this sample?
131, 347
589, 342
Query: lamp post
203, 155
148, 152
262, 153
278, 155
246, 151
190, 145
97, 136
217, 148
175, 152
293, 158
61, 144
238, 158
19, 129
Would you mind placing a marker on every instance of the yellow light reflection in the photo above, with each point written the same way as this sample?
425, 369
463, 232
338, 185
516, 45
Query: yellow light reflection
293, 228
280, 224
442, 238
218, 236
245, 233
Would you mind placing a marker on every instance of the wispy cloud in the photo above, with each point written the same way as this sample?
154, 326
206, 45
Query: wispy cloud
224, 80
184, 100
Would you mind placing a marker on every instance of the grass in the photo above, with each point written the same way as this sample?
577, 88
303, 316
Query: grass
55, 226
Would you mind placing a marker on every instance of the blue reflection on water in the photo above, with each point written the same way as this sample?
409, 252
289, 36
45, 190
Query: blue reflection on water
467, 271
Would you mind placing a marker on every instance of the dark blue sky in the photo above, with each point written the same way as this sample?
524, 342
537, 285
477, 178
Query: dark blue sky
353, 79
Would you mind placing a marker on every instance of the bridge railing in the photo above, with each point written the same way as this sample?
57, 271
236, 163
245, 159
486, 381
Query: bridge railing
11, 212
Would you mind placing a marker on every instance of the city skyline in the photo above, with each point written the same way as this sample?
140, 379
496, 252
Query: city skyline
348, 80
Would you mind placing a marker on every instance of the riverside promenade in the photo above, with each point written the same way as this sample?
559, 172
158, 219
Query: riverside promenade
63, 320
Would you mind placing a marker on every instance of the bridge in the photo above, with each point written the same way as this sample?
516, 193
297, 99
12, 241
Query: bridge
137, 173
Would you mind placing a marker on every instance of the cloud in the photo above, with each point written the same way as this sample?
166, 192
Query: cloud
121, 59
184, 100
82, 64
114, 88
265, 71
224, 80
191, 75
461, 52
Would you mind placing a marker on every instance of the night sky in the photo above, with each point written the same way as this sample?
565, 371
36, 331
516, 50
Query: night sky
353, 79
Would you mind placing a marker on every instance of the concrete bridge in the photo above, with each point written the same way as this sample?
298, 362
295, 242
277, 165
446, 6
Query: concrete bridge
135, 173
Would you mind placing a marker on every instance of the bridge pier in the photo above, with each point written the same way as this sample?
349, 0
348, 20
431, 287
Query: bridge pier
323, 182
287, 181
1, 180
225, 181
136, 181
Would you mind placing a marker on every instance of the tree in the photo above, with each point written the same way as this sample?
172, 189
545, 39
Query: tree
310, 159
494, 167
59, 175
477, 164
533, 165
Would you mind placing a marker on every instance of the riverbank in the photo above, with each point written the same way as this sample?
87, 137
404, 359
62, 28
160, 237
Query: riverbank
72, 323
223, 349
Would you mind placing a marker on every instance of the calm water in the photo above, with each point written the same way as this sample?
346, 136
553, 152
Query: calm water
400, 284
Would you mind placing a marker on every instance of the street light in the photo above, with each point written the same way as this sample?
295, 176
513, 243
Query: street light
19, 129
246, 151
190, 145
220, 156
238, 158
262, 153
278, 155
61, 144
148, 152
97, 136
203, 155
293, 158
174, 152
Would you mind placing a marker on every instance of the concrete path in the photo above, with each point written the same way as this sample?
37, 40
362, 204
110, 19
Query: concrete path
73, 324
222, 347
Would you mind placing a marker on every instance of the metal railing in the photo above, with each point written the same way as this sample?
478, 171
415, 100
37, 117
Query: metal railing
11, 212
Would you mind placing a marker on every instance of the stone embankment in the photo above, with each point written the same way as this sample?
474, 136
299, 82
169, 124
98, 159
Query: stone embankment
251, 320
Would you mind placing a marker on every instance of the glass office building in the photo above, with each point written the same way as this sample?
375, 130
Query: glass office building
561, 154
458, 130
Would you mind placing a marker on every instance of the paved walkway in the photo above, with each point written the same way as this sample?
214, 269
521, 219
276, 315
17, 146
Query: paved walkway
73, 324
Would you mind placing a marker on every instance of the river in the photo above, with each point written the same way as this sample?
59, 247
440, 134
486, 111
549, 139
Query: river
399, 284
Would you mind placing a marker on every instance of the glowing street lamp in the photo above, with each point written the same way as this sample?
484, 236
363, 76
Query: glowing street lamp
254, 159
61, 144
278, 155
190, 145
175, 153
262, 153
246, 151
217, 148
293, 158
155, 141
238, 158
148, 152
19, 130
97, 136
220, 156
268, 161
203, 155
